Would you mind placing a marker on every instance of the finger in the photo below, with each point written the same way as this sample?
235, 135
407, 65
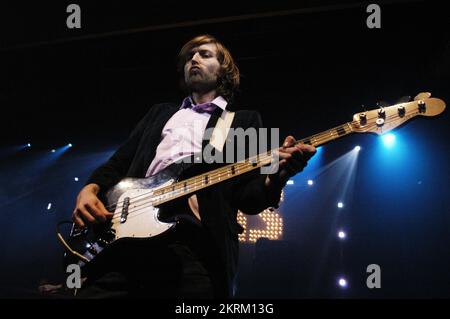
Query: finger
104, 210
292, 149
288, 141
284, 155
86, 216
297, 153
77, 220
94, 211
308, 150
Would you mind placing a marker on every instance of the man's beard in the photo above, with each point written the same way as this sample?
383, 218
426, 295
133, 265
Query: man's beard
201, 83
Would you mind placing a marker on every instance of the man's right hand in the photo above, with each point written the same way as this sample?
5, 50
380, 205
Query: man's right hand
89, 209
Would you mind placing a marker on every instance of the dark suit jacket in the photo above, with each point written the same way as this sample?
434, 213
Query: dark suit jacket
218, 204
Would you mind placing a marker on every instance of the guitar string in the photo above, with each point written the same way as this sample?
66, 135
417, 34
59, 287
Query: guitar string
221, 171
152, 201
144, 205
313, 137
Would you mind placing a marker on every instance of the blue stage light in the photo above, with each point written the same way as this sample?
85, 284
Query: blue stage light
310, 182
388, 139
357, 148
342, 282
340, 205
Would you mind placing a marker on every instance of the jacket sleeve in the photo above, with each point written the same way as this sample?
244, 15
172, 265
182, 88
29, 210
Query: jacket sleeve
111, 172
250, 195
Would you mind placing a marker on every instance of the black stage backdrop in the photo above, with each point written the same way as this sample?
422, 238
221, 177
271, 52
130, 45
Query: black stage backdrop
306, 66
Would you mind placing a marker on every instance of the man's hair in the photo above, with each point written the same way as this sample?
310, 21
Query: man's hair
228, 78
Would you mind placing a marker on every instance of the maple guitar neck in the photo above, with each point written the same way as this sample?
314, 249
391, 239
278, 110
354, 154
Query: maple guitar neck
378, 121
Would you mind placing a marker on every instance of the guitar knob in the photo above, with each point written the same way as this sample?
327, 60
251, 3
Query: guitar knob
381, 113
363, 118
401, 110
422, 106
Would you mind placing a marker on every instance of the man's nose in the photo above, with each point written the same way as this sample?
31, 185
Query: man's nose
195, 58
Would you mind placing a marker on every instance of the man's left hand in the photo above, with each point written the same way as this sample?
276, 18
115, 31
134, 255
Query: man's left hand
293, 159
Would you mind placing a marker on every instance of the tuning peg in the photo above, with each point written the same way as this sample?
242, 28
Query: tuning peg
381, 112
363, 118
422, 106
401, 110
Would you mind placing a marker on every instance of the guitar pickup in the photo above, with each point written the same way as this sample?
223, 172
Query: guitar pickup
124, 214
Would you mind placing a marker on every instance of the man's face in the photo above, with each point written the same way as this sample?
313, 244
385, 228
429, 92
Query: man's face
201, 69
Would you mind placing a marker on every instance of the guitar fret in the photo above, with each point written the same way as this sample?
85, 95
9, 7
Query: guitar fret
340, 130
350, 127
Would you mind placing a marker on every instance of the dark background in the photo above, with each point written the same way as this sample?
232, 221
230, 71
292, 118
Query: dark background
306, 66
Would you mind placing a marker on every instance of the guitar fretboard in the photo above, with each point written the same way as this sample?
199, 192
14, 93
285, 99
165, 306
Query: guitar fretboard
196, 183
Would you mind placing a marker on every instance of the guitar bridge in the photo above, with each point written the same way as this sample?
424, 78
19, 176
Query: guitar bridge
124, 214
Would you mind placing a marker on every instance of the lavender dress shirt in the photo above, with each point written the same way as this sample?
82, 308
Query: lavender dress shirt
182, 135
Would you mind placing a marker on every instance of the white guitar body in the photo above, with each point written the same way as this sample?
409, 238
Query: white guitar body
142, 220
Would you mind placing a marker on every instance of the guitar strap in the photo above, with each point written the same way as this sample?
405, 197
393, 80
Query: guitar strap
220, 132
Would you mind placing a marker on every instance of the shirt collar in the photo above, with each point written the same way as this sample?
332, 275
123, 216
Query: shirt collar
218, 101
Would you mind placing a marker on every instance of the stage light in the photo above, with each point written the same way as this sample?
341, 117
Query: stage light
29, 145
69, 145
342, 234
76, 179
340, 205
49, 206
310, 182
388, 139
53, 151
290, 182
357, 148
342, 283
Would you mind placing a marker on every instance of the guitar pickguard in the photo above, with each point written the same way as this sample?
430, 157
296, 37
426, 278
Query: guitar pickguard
141, 218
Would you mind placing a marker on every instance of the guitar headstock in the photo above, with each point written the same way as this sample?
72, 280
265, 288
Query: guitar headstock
384, 119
